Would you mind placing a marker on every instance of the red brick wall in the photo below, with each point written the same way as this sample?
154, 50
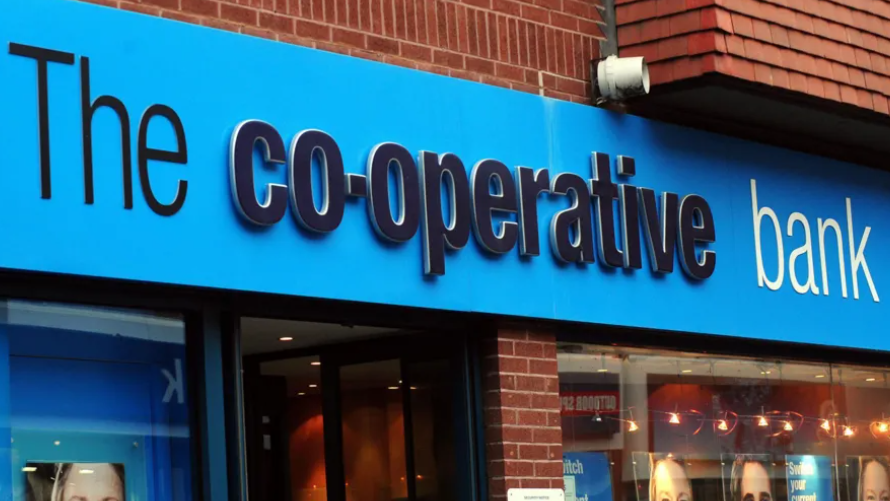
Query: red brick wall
537, 46
832, 49
522, 424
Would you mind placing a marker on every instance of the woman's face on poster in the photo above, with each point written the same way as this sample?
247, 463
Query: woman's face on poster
671, 482
755, 483
875, 484
93, 482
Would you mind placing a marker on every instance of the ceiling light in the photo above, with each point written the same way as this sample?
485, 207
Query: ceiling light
848, 431
632, 426
316, 363
883, 427
29, 468
286, 338
825, 425
675, 418
393, 387
722, 426
820, 376
313, 386
57, 443
686, 371
788, 426
86, 472
869, 380
602, 370
301, 393
762, 422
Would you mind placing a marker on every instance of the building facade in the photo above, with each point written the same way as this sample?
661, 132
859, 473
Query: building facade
368, 250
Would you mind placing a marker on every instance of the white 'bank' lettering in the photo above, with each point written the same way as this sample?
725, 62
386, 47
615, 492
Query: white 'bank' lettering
856, 252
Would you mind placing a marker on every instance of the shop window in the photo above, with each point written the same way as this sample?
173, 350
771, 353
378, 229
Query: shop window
642, 425
93, 404
332, 415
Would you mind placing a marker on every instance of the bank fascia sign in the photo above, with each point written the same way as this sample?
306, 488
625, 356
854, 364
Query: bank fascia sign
316, 175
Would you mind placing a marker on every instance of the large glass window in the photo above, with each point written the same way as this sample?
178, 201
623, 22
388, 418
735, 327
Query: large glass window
93, 404
645, 425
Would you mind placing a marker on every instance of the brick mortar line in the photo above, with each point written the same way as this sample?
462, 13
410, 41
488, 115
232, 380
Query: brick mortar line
162, 11
481, 77
453, 2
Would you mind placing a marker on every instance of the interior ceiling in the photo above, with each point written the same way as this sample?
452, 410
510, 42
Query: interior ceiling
263, 335
585, 363
763, 114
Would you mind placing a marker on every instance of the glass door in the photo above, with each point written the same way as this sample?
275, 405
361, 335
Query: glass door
380, 419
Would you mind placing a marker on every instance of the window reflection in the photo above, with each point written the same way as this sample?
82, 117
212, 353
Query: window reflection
647, 425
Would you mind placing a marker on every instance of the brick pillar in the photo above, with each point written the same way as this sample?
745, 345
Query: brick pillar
523, 437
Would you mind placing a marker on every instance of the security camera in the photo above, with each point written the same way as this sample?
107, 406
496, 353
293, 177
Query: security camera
621, 78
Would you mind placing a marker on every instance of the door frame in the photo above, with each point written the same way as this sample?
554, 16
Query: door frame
408, 347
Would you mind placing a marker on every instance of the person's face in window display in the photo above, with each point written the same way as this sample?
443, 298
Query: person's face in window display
671, 482
92, 482
875, 484
755, 483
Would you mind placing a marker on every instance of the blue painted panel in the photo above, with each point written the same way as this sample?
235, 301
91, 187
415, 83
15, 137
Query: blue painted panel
214, 80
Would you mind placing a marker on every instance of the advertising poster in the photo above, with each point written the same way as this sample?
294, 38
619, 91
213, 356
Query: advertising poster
75, 481
662, 476
748, 477
868, 478
587, 476
809, 478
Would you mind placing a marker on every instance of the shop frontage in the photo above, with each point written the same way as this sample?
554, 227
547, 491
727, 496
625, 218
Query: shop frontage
235, 269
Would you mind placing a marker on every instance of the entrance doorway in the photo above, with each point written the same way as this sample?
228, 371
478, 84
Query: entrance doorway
356, 413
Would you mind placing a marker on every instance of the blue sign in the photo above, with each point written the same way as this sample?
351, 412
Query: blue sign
809, 478
587, 476
145, 149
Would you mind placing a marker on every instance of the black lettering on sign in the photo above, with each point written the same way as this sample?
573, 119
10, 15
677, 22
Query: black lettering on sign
660, 232
88, 108
530, 184
436, 171
305, 147
43, 58
696, 225
604, 192
145, 154
487, 174
404, 227
571, 234
244, 139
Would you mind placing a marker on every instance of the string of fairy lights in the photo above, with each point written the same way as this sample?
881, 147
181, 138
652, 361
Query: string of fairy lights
776, 423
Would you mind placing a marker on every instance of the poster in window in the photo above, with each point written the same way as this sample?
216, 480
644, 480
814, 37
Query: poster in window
809, 478
587, 476
74, 482
663, 476
748, 477
868, 478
